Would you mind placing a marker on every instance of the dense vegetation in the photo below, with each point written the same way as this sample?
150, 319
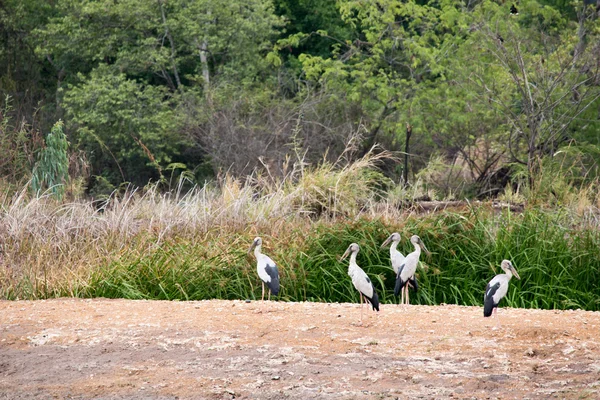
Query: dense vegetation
193, 245
143, 144
151, 90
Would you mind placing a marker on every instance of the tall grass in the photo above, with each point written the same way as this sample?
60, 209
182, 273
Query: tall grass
193, 245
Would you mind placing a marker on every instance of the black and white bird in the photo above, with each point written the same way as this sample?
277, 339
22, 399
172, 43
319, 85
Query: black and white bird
513, 10
497, 288
360, 280
266, 268
396, 257
406, 272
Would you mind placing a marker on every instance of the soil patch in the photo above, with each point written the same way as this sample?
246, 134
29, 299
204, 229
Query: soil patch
121, 349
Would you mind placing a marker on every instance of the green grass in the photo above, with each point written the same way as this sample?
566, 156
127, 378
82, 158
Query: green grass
558, 262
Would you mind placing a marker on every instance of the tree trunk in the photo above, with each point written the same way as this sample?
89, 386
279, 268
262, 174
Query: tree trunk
204, 61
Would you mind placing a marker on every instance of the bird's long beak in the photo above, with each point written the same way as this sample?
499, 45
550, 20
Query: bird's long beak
252, 247
425, 248
345, 254
515, 273
387, 241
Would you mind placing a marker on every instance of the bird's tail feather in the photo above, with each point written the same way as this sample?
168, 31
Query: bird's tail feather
413, 281
274, 286
488, 307
399, 285
374, 300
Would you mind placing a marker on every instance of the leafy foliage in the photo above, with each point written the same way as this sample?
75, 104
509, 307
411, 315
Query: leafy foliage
52, 169
123, 124
215, 86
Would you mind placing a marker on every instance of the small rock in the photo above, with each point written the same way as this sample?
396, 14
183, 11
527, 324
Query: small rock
568, 350
248, 300
276, 378
530, 352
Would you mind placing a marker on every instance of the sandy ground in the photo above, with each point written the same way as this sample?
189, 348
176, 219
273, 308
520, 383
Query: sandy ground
118, 349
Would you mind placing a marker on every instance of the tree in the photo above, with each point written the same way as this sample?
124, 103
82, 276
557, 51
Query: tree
127, 127
130, 70
547, 75
52, 169
400, 51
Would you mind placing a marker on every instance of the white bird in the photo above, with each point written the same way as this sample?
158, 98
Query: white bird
497, 288
360, 280
406, 272
266, 268
396, 257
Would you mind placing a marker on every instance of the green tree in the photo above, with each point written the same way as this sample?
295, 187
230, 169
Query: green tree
128, 128
545, 75
401, 50
137, 72
52, 169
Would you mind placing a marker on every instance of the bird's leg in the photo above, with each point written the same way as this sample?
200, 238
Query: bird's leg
269, 294
407, 297
361, 308
496, 317
402, 296
263, 292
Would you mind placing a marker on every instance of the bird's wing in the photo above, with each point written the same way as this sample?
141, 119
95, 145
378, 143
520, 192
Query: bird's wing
488, 301
410, 266
265, 263
374, 300
399, 274
400, 281
273, 273
362, 283
397, 261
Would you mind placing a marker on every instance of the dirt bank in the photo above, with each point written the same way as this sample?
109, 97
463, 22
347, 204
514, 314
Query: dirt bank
117, 349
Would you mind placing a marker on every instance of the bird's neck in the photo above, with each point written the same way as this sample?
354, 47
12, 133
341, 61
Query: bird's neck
393, 248
257, 251
353, 259
508, 274
417, 249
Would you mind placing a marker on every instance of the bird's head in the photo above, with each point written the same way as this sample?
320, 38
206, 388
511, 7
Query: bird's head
353, 248
416, 240
509, 268
394, 237
256, 243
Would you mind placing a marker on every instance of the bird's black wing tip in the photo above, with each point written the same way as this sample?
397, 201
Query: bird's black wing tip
488, 301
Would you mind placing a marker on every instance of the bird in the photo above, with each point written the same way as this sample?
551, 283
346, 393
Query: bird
360, 280
496, 289
396, 257
406, 272
513, 10
266, 268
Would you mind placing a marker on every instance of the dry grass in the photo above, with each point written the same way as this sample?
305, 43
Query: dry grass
50, 248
